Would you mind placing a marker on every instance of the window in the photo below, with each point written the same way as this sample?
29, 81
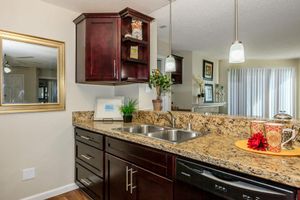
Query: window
261, 92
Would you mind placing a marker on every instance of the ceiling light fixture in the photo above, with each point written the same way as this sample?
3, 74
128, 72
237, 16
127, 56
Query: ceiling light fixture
237, 53
6, 66
170, 60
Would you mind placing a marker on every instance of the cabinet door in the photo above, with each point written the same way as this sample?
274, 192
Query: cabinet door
116, 178
150, 186
102, 49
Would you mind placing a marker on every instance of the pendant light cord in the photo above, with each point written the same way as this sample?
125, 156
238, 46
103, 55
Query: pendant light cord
170, 28
236, 19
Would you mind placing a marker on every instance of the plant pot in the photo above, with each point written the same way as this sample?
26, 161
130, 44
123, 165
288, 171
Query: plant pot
157, 104
127, 118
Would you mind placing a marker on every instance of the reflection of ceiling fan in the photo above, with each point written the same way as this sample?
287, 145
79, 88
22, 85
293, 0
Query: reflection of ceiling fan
6, 66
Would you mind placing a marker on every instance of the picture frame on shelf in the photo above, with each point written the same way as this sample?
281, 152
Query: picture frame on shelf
208, 70
209, 93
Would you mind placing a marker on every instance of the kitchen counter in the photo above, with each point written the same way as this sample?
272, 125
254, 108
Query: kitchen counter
215, 149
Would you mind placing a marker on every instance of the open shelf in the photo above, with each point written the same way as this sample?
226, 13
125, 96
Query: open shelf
135, 61
135, 41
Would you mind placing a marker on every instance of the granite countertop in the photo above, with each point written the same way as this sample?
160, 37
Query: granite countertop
215, 149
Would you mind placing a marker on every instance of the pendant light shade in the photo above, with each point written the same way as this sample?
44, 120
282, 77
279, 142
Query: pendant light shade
170, 65
237, 52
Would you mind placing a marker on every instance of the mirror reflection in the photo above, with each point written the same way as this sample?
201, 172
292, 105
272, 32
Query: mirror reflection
29, 73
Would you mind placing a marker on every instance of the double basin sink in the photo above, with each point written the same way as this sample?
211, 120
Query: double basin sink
162, 133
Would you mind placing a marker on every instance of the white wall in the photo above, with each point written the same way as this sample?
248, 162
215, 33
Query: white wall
298, 85
182, 93
42, 140
198, 71
185, 94
224, 66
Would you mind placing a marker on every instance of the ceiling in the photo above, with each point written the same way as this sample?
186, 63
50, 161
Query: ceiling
269, 29
20, 54
146, 6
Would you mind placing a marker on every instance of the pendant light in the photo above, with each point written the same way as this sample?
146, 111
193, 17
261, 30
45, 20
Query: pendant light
170, 65
237, 53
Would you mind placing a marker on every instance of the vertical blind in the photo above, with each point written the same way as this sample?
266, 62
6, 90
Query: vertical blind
261, 92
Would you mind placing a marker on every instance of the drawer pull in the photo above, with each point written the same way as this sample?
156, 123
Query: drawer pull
85, 137
86, 182
86, 157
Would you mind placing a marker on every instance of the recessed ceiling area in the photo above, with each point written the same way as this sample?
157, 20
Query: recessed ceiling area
81, 6
269, 29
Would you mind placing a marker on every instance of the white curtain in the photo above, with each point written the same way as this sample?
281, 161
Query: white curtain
261, 92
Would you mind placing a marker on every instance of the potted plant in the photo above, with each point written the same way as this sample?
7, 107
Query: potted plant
127, 110
162, 83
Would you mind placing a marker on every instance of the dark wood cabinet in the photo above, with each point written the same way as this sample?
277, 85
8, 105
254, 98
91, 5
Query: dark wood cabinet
113, 169
89, 163
177, 75
97, 48
155, 186
133, 182
117, 178
103, 51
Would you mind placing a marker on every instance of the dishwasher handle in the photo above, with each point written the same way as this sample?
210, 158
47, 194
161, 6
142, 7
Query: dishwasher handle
239, 184
222, 184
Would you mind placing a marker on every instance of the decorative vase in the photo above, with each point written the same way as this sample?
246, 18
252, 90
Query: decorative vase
127, 118
157, 104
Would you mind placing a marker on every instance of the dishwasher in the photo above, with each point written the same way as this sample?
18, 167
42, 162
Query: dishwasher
195, 181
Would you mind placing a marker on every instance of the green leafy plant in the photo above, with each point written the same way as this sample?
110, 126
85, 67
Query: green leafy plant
161, 82
129, 108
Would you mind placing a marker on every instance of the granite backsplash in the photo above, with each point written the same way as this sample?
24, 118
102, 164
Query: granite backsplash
221, 124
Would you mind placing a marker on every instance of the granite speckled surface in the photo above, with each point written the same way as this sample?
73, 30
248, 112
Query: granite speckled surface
216, 148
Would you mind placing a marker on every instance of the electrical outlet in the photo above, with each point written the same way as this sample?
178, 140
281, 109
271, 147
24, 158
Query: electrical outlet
28, 174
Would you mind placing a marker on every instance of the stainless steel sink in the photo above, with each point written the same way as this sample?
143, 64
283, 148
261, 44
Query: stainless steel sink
162, 133
141, 129
174, 135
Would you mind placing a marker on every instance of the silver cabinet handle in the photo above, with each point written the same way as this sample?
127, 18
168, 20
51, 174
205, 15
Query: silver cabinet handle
114, 68
127, 184
87, 157
131, 180
84, 137
86, 182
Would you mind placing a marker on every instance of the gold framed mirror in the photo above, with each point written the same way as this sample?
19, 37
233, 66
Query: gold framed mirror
32, 77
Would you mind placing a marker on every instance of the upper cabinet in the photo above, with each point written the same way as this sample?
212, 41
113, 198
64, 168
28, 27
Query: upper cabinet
177, 75
113, 48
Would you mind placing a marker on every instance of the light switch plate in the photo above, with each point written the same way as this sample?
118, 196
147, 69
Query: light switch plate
28, 174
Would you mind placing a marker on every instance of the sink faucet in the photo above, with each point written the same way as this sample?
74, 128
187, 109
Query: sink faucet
171, 120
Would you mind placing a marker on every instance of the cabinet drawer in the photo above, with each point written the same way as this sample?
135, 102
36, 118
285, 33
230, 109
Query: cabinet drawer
90, 138
91, 183
90, 155
154, 160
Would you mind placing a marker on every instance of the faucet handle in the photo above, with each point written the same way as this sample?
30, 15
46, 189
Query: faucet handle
189, 126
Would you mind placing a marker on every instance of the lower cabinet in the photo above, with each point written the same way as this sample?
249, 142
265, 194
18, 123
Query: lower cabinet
125, 180
112, 169
89, 182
